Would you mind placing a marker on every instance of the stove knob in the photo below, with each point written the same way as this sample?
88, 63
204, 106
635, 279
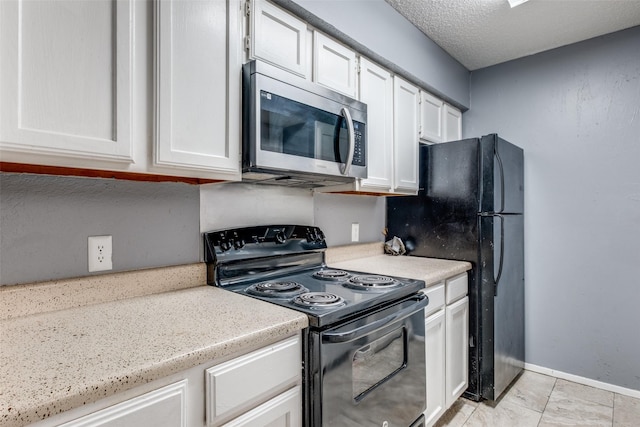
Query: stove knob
239, 243
311, 235
319, 236
280, 237
225, 245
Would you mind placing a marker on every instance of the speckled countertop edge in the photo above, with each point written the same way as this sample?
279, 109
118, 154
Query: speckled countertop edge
364, 258
34, 298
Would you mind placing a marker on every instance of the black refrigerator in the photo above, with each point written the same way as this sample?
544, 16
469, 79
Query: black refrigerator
470, 207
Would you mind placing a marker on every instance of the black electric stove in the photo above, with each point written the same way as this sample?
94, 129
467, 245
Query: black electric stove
284, 264
364, 350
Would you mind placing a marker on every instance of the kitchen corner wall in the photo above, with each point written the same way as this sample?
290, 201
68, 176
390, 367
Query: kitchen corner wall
45, 222
576, 112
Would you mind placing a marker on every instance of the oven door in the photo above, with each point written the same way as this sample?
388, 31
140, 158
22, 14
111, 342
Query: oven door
371, 371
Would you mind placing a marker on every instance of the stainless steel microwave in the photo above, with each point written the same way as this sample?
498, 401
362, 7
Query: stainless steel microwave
298, 133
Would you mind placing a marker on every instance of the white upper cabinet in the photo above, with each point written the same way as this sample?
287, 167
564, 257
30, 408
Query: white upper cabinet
439, 121
197, 99
334, 65
452, 123
376, 90
278, 37
431, 113
406, 140
66, 82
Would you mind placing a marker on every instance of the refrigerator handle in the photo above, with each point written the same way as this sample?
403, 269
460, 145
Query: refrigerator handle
501, 169
497, 278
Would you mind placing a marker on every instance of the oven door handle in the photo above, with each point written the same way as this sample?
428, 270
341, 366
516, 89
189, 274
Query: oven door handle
337, 337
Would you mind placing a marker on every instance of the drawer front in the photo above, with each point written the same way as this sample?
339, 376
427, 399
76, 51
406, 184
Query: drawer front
436, 298
240, 384
456, 287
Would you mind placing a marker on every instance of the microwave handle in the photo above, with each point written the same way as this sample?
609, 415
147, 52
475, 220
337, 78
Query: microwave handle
344, 169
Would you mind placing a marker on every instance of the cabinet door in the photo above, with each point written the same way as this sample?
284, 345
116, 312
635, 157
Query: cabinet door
452, 123
239, 384
431, 109
334, 65
405, 129
284, 410
278, 37
457, 349
376, 90
164, 407
197, 116
66, 81
435, 348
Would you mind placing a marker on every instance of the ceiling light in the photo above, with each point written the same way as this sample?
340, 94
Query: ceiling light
514, 3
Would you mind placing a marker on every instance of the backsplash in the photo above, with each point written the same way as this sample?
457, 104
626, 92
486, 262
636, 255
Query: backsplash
45, 220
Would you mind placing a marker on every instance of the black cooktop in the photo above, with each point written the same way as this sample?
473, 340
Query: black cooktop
284, 265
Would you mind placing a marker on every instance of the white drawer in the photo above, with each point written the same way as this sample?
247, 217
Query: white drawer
456, 287
235, 386
436, 298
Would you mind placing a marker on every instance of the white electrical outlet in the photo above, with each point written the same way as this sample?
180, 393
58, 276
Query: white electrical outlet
100, 253
355, 232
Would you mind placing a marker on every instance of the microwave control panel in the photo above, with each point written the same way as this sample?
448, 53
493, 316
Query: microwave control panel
359, 154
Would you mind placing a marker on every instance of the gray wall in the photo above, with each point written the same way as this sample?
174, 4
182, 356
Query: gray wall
375, 29
45, 222
334, 214
576, 113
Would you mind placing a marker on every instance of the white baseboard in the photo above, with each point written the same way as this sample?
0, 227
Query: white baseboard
582, 380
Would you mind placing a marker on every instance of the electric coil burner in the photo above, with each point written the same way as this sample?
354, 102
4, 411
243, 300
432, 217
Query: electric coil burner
319, 300
330, 274
363, 353
283, 289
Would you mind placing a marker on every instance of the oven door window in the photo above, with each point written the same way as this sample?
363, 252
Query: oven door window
378, 361
297, 129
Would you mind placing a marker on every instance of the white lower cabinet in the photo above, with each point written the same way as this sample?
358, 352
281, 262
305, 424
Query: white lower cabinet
457, 349
435, 345
236, 387
447, 345
284, 410
165, 407
261, 388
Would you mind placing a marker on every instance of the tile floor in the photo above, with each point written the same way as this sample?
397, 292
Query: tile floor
537, 400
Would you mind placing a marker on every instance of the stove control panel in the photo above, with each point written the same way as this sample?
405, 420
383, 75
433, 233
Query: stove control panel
250, 242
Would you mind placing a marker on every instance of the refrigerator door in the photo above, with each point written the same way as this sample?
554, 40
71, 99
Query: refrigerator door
449, 176
502, 176
502, 301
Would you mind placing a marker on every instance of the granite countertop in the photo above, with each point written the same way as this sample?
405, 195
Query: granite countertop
371, 258
57, 360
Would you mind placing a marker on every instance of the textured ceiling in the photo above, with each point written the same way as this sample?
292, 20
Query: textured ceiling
480, 33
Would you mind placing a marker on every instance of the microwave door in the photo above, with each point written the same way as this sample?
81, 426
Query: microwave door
336, 142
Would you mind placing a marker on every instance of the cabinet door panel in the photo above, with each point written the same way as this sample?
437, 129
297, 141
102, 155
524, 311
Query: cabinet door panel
241, 383
431, 109
66, 80
435, 348
334, 65
405, 127
452, 123
376, 90
165, 407
197, 92
457, 349
284, 410
278, 37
